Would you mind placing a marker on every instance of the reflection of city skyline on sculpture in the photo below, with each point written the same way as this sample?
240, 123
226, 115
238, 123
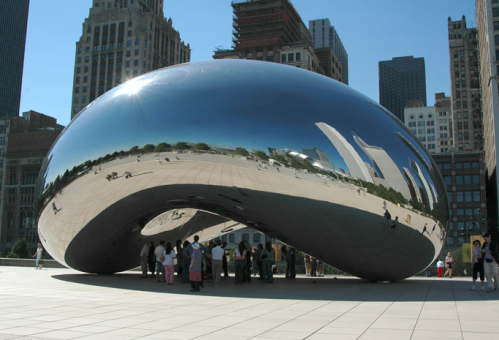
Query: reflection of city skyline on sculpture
101, 217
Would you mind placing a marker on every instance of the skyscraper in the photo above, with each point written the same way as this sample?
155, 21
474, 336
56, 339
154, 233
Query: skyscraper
13, 26
272, 30
121, 40
465, 83
400, 80
487, 12
325, 35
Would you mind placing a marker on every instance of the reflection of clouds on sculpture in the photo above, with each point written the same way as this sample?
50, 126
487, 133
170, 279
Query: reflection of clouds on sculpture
238, 109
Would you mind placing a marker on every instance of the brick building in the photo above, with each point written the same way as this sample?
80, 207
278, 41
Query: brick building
29, 139
464, 177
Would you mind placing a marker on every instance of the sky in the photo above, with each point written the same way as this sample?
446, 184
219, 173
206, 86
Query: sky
371, 31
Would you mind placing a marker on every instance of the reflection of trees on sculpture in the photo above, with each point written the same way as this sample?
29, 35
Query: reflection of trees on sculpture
148, 148
161, 147
202, 147
261, 155
182, 146
242, 151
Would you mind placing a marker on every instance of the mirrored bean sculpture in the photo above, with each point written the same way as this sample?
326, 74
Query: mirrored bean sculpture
210, 147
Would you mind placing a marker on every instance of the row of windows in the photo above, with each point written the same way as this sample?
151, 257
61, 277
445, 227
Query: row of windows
422, 123
426, 138
257, 238
291, 57
122, 3
463, 180
459, 165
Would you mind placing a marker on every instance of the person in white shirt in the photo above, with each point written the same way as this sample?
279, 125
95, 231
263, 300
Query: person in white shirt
38, 254
440, 268
160, 269
217, 262
169, 255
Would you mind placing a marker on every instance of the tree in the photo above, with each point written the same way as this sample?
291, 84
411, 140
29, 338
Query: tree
202, 146
161, 147
182, 146
148, 148
281, 159
261, 155
134, 149
242, 151
19, 250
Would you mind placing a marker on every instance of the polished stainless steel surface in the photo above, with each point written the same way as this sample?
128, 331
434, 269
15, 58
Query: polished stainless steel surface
206, 146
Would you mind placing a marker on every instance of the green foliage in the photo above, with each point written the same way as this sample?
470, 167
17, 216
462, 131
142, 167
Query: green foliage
182, 146
148, 148
242, 151
261, 155
202, 147
134, 149
12, 255
161, 147
380, 191
281, 159
458, 266
19, 250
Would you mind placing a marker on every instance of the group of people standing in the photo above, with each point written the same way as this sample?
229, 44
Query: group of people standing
485, 258
193, 259
189, 260
313, 267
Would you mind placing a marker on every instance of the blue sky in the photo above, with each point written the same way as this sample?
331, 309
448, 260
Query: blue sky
370, 31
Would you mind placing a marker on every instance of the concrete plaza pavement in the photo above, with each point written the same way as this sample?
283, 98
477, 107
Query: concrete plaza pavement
65, 304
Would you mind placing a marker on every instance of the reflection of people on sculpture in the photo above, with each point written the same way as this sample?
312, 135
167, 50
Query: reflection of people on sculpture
384, 205
425, 229
388, 217
395, 222
54, 208
159, 162
167, 159
127, 174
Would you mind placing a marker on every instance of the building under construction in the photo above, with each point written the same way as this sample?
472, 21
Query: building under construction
271, 30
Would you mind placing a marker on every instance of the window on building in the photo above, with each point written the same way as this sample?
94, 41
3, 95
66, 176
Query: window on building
459, 197
245, 237
476, 196
283, 57
256, 238
495, 12
496, 25
448, 180
231, 238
